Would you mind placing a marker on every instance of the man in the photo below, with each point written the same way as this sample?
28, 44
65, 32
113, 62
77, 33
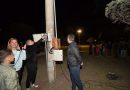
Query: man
74, 62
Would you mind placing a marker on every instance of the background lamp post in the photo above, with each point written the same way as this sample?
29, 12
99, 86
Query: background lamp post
79, 33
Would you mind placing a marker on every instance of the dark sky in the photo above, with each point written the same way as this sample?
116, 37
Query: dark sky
21, 18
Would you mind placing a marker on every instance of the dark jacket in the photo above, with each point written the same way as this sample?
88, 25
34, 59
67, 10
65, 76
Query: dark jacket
74, 57
31, 52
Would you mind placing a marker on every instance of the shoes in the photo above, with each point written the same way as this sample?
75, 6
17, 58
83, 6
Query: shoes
35, 85
28, 89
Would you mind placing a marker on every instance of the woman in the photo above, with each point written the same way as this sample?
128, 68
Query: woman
31, 52
19, 55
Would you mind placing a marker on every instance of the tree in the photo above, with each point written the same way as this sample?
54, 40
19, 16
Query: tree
118, 11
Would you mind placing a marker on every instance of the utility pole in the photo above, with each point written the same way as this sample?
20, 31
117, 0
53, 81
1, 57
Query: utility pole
49, 14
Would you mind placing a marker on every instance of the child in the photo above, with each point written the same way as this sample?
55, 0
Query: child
8, 75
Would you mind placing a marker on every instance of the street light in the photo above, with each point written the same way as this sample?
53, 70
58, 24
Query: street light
79, 31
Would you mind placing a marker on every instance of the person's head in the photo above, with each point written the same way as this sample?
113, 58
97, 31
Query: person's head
70, 38
12, 44
6, 56
29, 42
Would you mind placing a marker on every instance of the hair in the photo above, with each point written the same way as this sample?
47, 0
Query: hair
28, 41
8, 46
71, 37
4, 54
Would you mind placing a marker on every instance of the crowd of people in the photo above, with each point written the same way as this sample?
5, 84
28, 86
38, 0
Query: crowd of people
117, 49
12, 62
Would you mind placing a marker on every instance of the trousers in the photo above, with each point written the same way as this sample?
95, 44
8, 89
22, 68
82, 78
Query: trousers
31, 74
75, 77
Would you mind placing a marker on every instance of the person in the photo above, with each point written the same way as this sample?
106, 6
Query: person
19, 55
74, 62
90, 49
8, 75
128, 48
31, 64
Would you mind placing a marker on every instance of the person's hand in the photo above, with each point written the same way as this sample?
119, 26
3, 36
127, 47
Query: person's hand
24, 47
81, 64
18, 47
44, 37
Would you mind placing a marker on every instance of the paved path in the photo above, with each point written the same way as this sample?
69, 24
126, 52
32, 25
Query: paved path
93, 74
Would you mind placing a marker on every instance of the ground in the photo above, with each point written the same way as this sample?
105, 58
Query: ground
93, 73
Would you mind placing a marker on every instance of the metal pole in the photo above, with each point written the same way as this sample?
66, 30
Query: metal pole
55, 18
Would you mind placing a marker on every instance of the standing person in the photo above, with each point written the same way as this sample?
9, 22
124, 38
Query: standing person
31, 51
74, 62
8, 75
19, 55
90, 49
129, 48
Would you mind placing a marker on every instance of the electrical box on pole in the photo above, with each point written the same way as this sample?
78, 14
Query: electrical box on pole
57, 54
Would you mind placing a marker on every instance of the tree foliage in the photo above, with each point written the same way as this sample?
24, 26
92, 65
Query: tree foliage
118, 11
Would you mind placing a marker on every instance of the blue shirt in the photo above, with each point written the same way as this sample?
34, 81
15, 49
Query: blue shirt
19, 57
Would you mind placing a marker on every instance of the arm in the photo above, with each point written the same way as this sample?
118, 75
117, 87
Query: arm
38, 42
77, 54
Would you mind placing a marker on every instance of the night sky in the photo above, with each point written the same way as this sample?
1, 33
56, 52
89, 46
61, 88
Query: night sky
21, 18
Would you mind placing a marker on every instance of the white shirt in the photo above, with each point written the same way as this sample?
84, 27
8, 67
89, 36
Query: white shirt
19, 57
